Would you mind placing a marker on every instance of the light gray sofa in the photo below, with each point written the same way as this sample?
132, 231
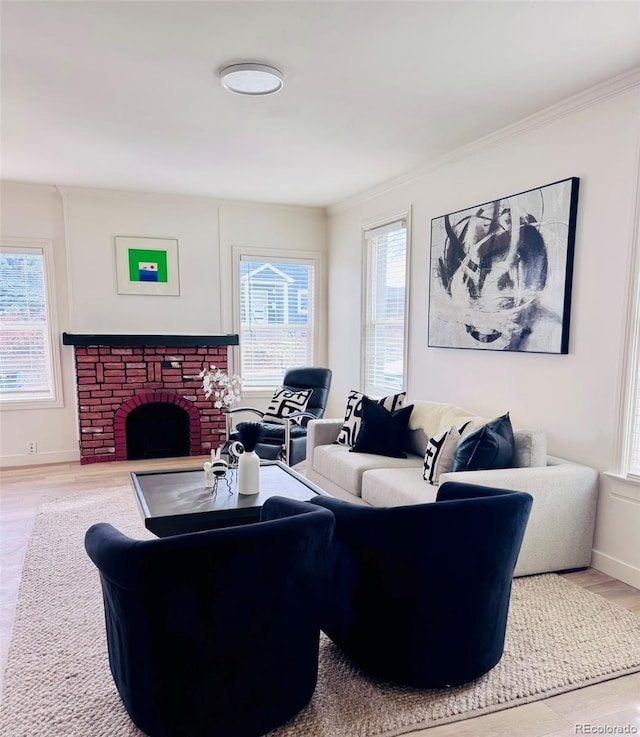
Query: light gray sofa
559, 534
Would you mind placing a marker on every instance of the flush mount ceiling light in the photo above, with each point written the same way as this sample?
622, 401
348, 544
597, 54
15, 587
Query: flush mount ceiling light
251, 79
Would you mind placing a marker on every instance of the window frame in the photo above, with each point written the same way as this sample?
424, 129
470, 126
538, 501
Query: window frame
276, 255
55, 398
629, 414
369, 225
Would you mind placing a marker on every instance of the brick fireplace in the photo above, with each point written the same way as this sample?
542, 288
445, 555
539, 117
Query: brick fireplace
121, 376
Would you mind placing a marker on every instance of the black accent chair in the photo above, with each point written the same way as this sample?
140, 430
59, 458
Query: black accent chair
419, 594
288, 441
216, 633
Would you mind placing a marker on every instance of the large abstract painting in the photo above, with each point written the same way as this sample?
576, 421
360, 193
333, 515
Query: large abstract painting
501, 272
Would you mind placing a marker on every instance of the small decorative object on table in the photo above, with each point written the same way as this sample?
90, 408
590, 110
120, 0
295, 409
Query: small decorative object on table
209, 477
249, 462
235, 450
219, 468
218, 465
215, 470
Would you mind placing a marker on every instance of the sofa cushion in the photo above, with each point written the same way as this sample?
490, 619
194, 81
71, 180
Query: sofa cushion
417, 441
393, 487
345, 469
353, 414
436, 417
382, 432
490, 446
530, 448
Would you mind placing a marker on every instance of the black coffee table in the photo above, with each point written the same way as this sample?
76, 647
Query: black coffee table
174, 502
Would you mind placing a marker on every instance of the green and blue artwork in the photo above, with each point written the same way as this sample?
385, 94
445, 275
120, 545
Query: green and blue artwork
147, 266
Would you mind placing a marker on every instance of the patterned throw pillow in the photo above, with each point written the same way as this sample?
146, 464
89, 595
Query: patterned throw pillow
286, 402
353, 414
438, 457
441, 450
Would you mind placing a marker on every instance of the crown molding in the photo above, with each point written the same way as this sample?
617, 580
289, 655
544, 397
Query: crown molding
73, 190
317, 209
36, 187
593, 96
219, 202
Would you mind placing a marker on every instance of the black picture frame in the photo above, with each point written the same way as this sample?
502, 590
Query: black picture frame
501, 272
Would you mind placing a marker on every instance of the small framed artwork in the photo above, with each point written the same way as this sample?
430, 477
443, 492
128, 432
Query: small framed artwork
501, 272
147, 266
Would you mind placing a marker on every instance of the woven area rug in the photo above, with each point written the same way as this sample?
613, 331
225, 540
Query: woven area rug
57, 682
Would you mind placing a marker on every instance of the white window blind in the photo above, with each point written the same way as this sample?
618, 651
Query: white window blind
26, 372
276, 318
385, 309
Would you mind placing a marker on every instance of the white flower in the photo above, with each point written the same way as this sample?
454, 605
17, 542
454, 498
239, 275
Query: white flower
226, 390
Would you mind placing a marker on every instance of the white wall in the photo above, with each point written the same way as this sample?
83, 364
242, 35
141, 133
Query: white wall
575, 398
36, 212
82, 224
94, 217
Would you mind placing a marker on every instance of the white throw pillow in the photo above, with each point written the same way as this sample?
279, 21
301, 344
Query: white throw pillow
353, 414
285, 402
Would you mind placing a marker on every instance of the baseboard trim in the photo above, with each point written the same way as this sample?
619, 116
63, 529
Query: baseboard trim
39, 459
616, 568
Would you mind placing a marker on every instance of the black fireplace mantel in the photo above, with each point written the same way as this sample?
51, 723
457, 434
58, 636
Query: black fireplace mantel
174, 341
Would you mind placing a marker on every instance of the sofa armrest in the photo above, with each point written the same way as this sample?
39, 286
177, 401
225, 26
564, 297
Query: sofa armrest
559, 534
321, 432
561, 477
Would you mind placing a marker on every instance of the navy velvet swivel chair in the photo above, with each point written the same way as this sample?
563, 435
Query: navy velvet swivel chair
419, 594
216, 633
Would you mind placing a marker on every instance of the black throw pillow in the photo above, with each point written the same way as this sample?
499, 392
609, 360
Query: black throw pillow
490, 446
381, 431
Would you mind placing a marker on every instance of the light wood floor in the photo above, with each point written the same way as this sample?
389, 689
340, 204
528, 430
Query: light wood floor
601, 708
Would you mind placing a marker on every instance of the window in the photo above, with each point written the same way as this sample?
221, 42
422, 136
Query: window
277, 323
384, 330
27, 371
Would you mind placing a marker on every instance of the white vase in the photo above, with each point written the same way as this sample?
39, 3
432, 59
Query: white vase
249, 473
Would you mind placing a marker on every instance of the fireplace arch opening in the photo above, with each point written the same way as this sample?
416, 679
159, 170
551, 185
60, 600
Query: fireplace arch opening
157, 424
157, 430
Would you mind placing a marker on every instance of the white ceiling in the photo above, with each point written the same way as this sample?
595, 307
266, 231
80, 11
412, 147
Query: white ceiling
124, 95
